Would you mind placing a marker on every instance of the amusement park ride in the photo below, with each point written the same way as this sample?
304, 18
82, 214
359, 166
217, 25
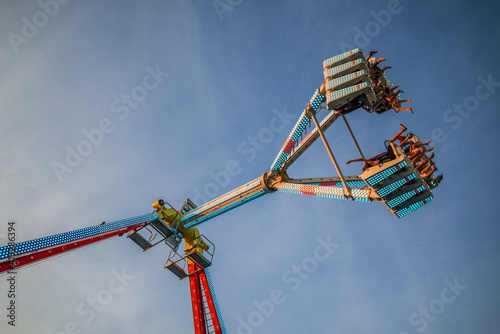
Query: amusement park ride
402, 178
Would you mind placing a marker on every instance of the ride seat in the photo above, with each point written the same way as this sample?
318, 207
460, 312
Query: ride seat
399, 185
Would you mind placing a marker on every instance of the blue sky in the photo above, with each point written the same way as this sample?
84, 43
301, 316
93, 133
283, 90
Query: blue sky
222, 76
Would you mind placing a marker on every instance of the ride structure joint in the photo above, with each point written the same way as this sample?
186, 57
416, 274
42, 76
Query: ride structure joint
272, 178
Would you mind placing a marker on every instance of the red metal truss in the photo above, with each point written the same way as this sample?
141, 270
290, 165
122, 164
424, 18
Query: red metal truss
211, 307
197, 301
202, 301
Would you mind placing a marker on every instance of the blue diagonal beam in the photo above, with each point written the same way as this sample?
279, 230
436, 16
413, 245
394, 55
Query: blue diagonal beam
297, 131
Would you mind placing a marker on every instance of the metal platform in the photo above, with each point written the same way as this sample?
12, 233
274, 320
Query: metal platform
176, 262
168, 232
199, 259
140, 241
176, 270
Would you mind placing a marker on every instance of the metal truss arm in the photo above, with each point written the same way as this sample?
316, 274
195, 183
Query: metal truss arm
29, 252
324, 189
334, 181
297, 131
291, 141
233, 199
310, 139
